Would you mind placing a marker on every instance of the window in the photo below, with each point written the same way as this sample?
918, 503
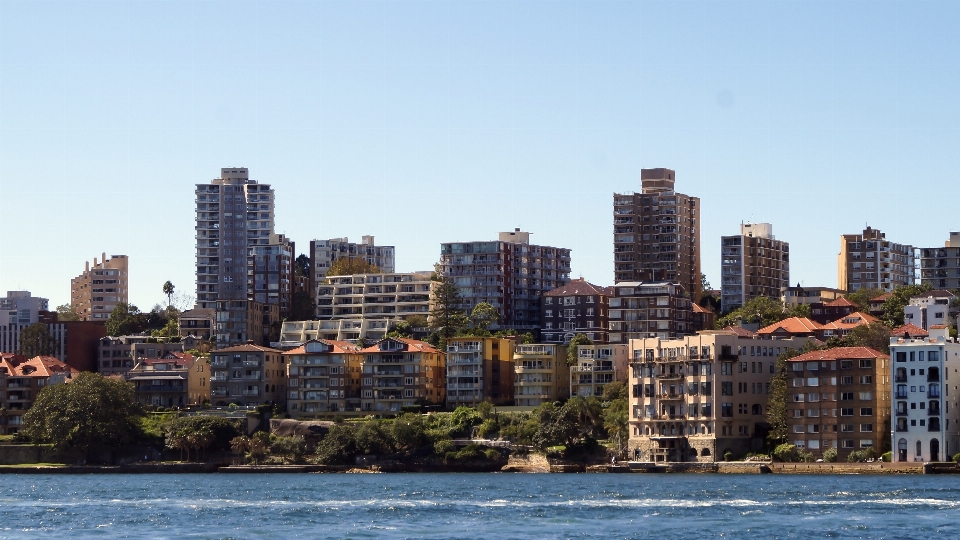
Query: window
846, 412
866, 363
846, 380
726, 410
866, 443
846, 428
866, 411
846, 444
866, 396
846, 364
866, 428
866, 379
726, 388
846, 396
798, 428
726, 368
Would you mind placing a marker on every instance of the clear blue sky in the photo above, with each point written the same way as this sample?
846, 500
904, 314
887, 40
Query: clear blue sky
425, 122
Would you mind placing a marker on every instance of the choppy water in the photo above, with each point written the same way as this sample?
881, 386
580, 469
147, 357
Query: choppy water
500, 506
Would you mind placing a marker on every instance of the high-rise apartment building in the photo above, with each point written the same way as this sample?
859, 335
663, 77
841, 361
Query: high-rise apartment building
870, 261
324, 253
656, 233
18, 310
940, 267
510, 274
640, 310
753, 264
234, 214
271, 268
95, 292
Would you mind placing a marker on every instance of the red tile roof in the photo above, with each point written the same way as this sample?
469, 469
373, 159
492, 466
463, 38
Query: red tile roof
740, 331
697, 308
338, 347
839, 353
851, 320
912, 329
580, 287
880, 299
39, 366
247, 348
840, 302
938, 326
410, 345
793, 325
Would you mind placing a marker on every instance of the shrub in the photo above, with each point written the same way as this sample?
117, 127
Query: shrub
956, 457
728, 456
830, 456
886, 456
338, 447
488, 428
789, 453
492, 454
860, 456
443, 447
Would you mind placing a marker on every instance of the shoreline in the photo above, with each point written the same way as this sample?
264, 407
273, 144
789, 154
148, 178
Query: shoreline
878, 468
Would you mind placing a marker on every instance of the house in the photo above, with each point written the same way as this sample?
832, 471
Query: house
21, 380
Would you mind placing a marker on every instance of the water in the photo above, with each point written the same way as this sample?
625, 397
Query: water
469, 506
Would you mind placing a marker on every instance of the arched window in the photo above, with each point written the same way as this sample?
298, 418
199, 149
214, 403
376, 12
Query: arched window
902, 450
705, 452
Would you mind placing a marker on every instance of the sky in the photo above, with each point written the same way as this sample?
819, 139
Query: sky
429, 122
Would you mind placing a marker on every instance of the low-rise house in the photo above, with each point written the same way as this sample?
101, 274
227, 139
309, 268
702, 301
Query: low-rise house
596, 367
926, 417
323, 376
541, 374
825, 312
839, 398
695, 398
21, 380
248, 375
401, 372
198, 322
480, 369
166, 381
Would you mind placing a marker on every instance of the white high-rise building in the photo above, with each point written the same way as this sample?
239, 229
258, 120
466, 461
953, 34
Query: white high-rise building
234, 214
754, 263
925, 416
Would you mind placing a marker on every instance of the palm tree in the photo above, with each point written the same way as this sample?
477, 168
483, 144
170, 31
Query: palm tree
168, 290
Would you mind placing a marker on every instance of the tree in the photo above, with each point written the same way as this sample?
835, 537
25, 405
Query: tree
483, 316
899, 298
338, 447
126, 319
575, 342
351, 265
36, 340
763, 310
67, 313
301, 266
616, 421
89, 414
614, 391
409, 432
168, 289
875, 335
704, 283
372, 438
446, 317
401, 329
778, 415
862, 298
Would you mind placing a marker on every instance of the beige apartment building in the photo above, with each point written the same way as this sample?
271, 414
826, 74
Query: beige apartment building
323, 376
541, 374
296, 333
596, 367
940, 266
656, 233
175, 380
753, 263
401, 372
374, 296
95, 292
870, 261
480, 369
248, 375
698, 397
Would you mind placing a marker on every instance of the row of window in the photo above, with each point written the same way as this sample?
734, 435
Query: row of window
815, 413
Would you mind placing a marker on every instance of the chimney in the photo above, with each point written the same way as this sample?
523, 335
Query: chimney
103, 257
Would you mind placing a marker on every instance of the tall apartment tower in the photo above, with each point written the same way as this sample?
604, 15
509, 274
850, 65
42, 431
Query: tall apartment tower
753, 263
940, 267
656, 233
511, 274
234, 214
870, 261
323, 253
271, 269
95, 292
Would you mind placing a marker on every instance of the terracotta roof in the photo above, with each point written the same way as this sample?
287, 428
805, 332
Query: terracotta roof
839, 353
882, 298
247, 348
793, 325
851, 321
338, 347
840, 302
938, 327
740, 331
410, 345
697, 308
40, 366
580, 287
911, 329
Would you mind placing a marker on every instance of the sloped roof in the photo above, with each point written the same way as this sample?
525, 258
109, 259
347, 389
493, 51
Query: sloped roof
740, 331
247, 348
338, 347
911, 329
851, 320
793, 325
839, 353
580, 287
938, 327
697, 308
410, 345
937, 293
840, 302
880, 299
42, 366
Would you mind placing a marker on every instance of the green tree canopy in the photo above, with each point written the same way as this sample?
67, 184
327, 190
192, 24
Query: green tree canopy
67, 313
88, 414
899, 298
301, 266
36, 340
302, 307
126, 319
351, 265
778, 415
763, 310
575, 342
862, 298
875, 335
446, 318
484, 315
